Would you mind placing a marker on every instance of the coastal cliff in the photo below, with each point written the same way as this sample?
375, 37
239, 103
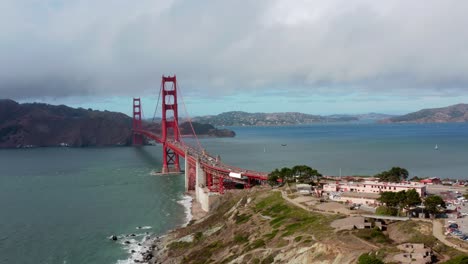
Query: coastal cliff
260, 225
44, 125
450, 114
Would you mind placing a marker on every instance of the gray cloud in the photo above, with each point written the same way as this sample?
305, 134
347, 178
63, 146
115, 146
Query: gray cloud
61, 48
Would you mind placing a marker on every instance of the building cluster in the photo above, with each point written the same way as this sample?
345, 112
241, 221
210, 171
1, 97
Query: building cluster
367, 192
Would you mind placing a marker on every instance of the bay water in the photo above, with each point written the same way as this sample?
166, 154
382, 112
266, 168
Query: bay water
60, 205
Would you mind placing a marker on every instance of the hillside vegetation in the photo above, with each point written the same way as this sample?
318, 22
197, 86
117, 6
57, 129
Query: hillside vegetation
238, 118
454, 113
44, 125
259, 226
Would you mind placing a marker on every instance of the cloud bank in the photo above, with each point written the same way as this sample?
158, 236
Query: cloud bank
58, 48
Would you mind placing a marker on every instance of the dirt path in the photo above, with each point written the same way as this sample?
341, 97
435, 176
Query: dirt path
437, 231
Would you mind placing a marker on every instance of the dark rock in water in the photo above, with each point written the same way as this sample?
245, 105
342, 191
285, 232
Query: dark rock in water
132, 235
139, 244
148, 256
132, 251
139, 227
127, 242
113, 237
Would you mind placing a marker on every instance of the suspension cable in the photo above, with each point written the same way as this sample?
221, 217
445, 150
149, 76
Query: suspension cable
176, 123
188, 118
157, 104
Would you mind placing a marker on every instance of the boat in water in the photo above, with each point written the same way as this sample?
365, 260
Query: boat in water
436, 147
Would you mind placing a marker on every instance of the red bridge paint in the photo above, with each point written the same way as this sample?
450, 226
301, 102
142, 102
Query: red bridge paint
217, 173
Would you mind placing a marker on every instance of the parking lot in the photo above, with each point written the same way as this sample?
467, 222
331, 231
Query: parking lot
461, 230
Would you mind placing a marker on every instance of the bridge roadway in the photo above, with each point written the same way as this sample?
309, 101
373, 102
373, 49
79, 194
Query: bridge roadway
208, 162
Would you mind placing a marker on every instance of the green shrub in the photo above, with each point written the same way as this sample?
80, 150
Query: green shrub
297, 239
369, 259
257, 243
374, 235
268, 260
179, 245
242, 218
271, 235
241, 239
462, 259
383, 210
198, 236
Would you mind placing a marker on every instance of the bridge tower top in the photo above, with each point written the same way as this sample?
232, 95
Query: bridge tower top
170, 121
137, 138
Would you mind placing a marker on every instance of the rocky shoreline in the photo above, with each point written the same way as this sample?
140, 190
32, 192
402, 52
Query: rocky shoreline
158, 253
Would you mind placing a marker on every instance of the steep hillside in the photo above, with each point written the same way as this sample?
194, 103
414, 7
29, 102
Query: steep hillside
42, 125
260, 226
449, 114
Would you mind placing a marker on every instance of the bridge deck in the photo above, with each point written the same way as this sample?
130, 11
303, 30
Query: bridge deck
205, 159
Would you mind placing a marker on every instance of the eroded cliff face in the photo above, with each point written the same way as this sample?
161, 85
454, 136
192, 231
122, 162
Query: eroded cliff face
43, 125
258, 226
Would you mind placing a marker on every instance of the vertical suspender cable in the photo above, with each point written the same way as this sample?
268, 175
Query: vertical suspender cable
157, 104
188, 117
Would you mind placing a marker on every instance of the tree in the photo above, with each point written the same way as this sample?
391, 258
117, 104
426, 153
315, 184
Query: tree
369, 259
416, 179
286, 174
412, 199
274, 176
305, 173
389, 199
395, 174
434, 204
395, 201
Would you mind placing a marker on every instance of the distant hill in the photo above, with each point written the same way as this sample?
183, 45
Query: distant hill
449, 114
369, 116
238, 118
43, 125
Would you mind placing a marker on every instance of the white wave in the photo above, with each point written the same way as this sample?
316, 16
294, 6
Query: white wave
187, 203
136, 248
144, 227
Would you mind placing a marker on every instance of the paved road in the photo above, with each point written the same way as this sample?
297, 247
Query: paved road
438, 232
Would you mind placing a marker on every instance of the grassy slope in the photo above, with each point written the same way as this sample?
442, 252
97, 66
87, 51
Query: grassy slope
258, 226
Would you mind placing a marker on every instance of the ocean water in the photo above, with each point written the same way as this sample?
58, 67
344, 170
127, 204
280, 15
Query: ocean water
60, 205
356, 148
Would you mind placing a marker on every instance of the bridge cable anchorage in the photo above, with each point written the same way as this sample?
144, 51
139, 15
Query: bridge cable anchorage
188, 118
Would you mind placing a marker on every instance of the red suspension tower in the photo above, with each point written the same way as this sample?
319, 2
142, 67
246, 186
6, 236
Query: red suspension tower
137, 138
169, 123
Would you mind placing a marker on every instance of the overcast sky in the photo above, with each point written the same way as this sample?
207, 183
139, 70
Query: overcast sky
318, 57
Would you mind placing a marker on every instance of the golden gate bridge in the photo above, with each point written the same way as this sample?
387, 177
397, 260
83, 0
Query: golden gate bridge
204, 173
